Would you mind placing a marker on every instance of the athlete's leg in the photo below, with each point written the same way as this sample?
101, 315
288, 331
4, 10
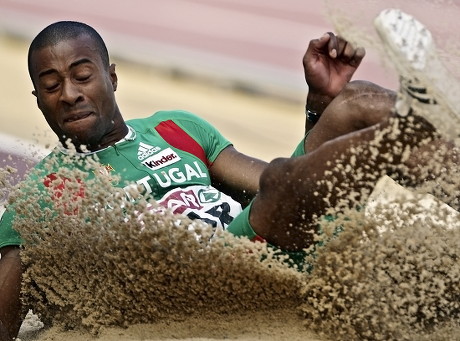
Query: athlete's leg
359, 105
295, 192
427, 87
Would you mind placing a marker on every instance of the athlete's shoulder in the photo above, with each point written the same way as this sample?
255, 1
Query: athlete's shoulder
51, 163
181, 117
54, 156
177, 116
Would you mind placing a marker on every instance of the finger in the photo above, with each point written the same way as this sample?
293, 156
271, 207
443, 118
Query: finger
341, 45
317, 45
358, 57
333, 45
348, 53
322, 42
352, 55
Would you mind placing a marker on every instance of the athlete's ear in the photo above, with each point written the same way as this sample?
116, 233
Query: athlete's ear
113, 77
34, 92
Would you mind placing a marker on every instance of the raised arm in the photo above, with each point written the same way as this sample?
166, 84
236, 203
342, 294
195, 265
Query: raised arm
329, 64
10, 289
237, 174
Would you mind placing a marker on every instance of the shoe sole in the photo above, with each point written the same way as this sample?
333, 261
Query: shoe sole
410, 46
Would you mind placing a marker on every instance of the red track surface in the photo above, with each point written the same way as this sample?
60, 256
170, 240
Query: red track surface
256, 43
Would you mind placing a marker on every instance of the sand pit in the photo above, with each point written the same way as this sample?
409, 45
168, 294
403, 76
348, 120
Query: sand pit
395, 276
101, 272
270, 325
399, 284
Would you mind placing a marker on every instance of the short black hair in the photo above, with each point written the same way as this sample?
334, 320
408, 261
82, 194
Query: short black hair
65, 30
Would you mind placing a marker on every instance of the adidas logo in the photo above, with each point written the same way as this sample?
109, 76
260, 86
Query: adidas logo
145, 150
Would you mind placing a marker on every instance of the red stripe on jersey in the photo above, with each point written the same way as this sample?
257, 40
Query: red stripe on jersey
178, 138
74, 188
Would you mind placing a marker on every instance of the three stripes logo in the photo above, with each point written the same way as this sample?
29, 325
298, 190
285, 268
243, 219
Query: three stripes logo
145, 150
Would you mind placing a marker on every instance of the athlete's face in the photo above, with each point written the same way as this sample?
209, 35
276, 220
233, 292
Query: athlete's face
75, 93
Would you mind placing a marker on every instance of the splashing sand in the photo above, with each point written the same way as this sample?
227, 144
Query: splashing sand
392, 275
93, 265
102, 266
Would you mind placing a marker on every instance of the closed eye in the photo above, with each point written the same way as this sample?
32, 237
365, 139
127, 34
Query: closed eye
52, 88
83, 78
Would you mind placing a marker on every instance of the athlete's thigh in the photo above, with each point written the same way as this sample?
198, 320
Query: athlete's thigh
361, 104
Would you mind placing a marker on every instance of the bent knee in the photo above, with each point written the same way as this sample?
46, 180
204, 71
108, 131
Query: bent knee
274, 174
362, 104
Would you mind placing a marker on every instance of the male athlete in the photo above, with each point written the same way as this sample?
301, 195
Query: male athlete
175, 154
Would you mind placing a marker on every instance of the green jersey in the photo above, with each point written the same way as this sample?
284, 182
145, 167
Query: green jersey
168, 154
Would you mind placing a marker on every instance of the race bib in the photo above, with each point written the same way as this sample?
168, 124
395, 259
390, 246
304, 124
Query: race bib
202, 202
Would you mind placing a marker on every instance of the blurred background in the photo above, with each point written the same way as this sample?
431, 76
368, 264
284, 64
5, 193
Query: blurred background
237, 63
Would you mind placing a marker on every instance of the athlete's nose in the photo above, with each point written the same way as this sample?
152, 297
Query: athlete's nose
70, 92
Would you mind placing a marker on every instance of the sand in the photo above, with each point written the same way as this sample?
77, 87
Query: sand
381, 279
104, 273
273, 324
145, 91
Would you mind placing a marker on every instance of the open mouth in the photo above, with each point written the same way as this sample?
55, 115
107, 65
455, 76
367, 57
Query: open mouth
77, 117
